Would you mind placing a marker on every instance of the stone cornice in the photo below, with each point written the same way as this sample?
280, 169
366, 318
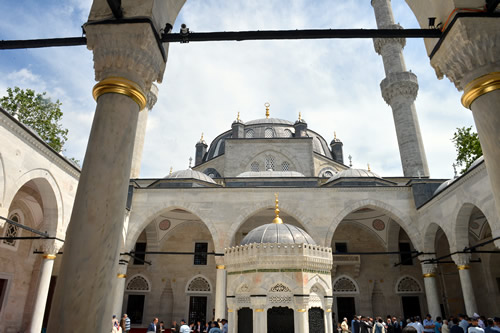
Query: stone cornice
21, 131
469, 50
380, 43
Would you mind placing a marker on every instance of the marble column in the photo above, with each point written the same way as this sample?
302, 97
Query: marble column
140, 134
50, 250
328, 314
469, 58
121, 278
220, 292
301, 315
127, 59
431, 290
232, 320
462, 262
259, 320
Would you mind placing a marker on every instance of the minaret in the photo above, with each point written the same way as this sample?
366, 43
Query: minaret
399, 90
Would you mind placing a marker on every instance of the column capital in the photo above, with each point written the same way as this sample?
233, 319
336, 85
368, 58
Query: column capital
258, 303
127, 50
428, 269
49, 247
467, 51
402, 84
380, 43
301, 302
462, 260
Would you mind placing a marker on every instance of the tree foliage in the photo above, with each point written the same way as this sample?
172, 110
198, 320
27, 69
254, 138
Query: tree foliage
39, 113
468, 147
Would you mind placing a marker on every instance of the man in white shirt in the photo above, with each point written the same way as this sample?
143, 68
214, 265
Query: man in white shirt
184, 327
475, 327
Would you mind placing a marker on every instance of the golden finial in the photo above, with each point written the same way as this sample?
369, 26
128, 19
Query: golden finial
201, 137
238, 117
171, 169
300, 116
267, 105
277, 219
334, 135
368, 167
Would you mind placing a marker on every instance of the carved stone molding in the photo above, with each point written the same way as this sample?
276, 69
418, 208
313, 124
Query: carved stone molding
49, 246
152, 97
469, 50
380, 43
399, 84
125, 50
461, 259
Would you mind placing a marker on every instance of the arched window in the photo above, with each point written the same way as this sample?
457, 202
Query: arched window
408, 285
198, 284
138, 283
285, 166
254, 167
345, 285
11, 231
249, 134
268, 133
288, 133
270, 162
328, 174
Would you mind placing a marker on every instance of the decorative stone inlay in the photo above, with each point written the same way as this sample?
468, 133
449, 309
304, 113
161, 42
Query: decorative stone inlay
244, 288
280, 299
378, 224
199, 284
138, 283
408, 285
243, 299
403, 84
468, 51
474, 225
164, 225
280, 288
344, 285
152, 96
380, 43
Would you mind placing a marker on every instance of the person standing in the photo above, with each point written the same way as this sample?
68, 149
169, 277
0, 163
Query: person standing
225, 327
184, 327
175, 327
161, 327
215, 328
445, 328
344, 326
152, 326
125, 323
474, 328
456, 327
428, 324
463, 322
378, 326
438, 325
355, 324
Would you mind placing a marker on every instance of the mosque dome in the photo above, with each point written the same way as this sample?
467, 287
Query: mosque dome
476, 162
353, 173
190, 174
444, 185
277, 232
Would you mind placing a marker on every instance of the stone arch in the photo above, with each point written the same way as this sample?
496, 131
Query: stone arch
317, 282
429, 239
51, 195
345, 285
138, 283
408, 285
402, 219
254, 208
199, 284
141, 220
461, 226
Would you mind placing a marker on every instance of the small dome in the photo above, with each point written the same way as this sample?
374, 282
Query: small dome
277, 174
353, 173
278, 233
444, 185
476, 162
190, 174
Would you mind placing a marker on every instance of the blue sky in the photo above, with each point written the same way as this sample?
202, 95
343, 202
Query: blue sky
333, 83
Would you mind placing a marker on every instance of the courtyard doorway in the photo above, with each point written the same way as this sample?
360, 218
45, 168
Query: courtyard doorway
245, 320
135, 308
411, 306
280, 320
197, 309
345, 308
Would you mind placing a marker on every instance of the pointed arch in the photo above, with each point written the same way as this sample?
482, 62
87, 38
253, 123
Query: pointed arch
344, 284
138, 283
199, 284
408, 285
2, 182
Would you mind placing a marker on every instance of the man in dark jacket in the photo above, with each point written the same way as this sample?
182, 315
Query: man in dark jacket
364, 326
355, 325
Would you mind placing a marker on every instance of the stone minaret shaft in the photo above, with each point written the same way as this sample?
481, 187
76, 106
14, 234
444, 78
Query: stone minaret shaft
399, 90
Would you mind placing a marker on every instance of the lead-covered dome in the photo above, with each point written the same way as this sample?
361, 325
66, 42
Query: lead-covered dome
353, 173
190, 174
278, 233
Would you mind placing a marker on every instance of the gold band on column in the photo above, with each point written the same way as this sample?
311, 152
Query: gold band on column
259, 310
462, 267
49, 256
480, 86
120, 85
328, 310
121, 276
229, 310
301, 310
220, 267
429, 275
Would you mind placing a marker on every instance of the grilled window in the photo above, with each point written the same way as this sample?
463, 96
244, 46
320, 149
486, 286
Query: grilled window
200, 253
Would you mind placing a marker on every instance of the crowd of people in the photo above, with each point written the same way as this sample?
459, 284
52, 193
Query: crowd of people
156, 326
459, 324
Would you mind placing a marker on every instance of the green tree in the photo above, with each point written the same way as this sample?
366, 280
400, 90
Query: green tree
468, 147
39, 113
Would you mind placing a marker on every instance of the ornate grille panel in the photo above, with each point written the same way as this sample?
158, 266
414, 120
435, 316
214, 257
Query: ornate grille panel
249, 134
11, 231
269, 133
408, 285
270, 162
199, 284
344, 285
138, 283
285, 166
280, 288
316, 320
254, 166
288, 133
